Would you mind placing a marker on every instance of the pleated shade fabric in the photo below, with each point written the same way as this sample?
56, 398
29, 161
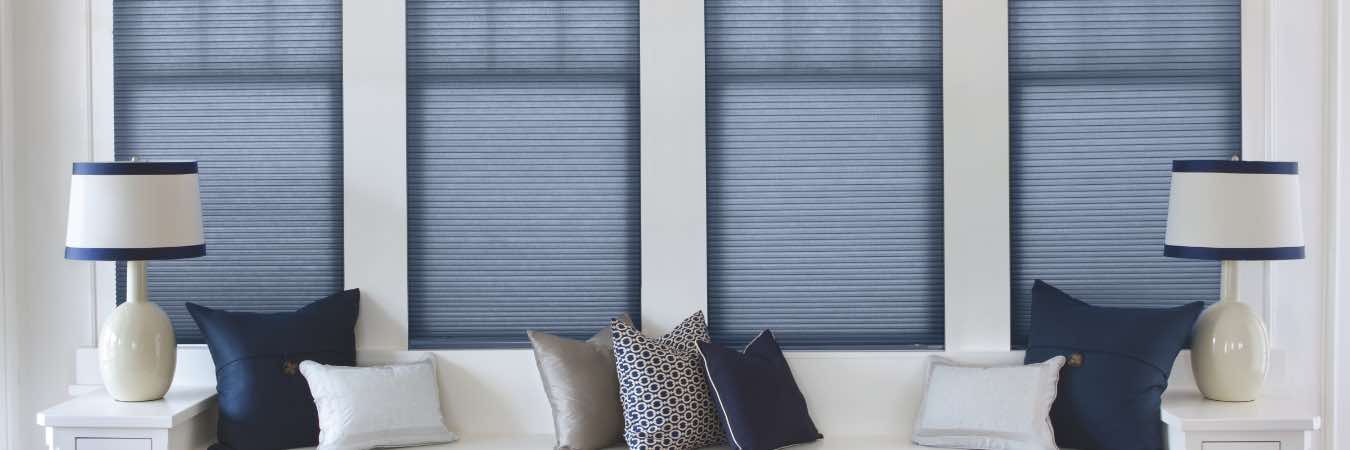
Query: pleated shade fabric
824, 167
252, 90
523, 185
1105, 95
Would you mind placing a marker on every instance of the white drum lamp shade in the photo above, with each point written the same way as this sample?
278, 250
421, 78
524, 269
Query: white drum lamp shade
1233, 211
134, 212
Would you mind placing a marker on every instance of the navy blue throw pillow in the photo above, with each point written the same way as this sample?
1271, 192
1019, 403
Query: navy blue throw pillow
756, 397
1118, 362
264, 401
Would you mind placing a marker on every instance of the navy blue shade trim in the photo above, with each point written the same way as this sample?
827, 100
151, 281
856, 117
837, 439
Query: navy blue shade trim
1224, 166
135, 168
1233, 254
135, 254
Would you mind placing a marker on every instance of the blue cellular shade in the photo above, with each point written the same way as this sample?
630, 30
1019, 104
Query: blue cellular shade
1105, 95
523, 154
824, 154
252, 90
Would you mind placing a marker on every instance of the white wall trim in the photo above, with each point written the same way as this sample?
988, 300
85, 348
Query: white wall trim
1330, 214
374, 164
1257, 135
976, 222
9, 322
1336, 360
674, 172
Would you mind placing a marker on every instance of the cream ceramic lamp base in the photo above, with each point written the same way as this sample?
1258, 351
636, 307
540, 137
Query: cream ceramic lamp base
136, 348
1229, 347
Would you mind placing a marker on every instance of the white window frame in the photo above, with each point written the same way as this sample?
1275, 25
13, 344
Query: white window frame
673, 170
976, 237
375, 169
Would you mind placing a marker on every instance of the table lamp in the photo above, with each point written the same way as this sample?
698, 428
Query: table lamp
1232, 211
135, 212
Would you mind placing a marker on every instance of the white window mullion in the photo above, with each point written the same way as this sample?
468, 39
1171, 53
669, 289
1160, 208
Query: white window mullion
975, 175
674, 192
375, 200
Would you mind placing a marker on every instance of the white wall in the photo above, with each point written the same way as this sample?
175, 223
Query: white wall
1300, 132
51, 129
50, 71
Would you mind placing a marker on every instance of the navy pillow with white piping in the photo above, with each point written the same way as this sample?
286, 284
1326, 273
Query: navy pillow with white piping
756, 397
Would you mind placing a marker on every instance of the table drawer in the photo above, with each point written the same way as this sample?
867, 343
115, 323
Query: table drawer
112, 444
1233, 446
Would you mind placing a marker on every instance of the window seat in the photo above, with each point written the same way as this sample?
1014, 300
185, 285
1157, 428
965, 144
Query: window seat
493, 399
546, 442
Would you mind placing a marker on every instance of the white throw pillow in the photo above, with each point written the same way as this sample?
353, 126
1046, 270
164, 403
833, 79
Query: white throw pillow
982, 407
362, 408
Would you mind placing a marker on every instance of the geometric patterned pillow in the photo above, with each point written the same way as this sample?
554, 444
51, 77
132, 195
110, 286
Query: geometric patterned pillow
666, 404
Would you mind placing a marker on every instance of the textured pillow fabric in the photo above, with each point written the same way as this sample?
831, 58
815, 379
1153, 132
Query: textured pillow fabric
983, 407
362, 408
264, 402
756, 397
1118, 363
665, 398
582, 388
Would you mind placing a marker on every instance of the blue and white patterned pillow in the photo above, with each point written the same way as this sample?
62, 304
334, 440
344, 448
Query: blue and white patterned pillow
665, 397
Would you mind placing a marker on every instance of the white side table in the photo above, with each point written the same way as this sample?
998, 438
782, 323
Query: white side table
184, 420
1273, 422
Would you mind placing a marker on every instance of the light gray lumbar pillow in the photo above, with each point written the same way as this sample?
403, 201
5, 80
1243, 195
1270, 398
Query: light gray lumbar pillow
988, 407
582, 388
362, 408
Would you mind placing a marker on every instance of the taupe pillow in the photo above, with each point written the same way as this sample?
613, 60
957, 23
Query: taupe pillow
582, 387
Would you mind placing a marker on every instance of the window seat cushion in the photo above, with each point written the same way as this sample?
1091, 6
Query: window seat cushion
547, 441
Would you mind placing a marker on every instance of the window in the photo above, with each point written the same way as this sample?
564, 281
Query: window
523, 168
824, 166
254, 92
824, 158
1105, 94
